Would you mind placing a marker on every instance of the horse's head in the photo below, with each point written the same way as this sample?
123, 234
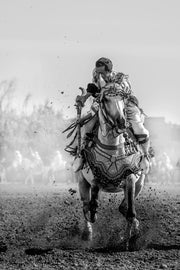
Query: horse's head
112, 107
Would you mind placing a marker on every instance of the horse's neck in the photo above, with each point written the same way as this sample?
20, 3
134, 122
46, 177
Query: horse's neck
109, 137
110, 140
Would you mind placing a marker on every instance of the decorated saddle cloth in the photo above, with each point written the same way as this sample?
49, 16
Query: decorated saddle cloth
109, 167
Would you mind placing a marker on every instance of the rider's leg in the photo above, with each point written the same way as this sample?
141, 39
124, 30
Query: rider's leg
134, 116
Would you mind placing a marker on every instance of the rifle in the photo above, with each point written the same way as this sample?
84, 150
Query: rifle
78, 106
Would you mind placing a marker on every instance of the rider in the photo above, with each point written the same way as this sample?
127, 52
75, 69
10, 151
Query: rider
102, 75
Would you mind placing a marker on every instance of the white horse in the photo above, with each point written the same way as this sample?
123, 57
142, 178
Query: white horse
108, 168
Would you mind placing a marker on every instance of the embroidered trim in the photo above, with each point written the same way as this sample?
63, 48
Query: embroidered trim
110, 168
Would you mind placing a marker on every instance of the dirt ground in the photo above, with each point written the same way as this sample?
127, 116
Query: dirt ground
41, 226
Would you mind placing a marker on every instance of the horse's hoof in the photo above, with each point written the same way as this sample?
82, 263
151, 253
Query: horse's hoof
87, 233
86, 236
134, 243
124, 245
136, 226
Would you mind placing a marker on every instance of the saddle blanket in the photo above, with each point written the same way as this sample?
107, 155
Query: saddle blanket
111, 168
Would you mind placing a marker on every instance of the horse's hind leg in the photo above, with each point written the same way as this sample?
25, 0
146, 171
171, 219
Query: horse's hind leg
130, 195
123, 205
84, 190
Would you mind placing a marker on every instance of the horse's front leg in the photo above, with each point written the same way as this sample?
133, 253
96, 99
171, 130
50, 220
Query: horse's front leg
84, 190
132, 222
93, 205
138, 188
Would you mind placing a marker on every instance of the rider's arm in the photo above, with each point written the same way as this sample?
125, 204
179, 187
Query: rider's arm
134, 117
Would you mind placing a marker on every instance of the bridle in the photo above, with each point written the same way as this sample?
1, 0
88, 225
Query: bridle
111, 92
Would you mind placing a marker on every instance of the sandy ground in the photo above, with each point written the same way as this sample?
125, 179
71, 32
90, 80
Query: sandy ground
40, 228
